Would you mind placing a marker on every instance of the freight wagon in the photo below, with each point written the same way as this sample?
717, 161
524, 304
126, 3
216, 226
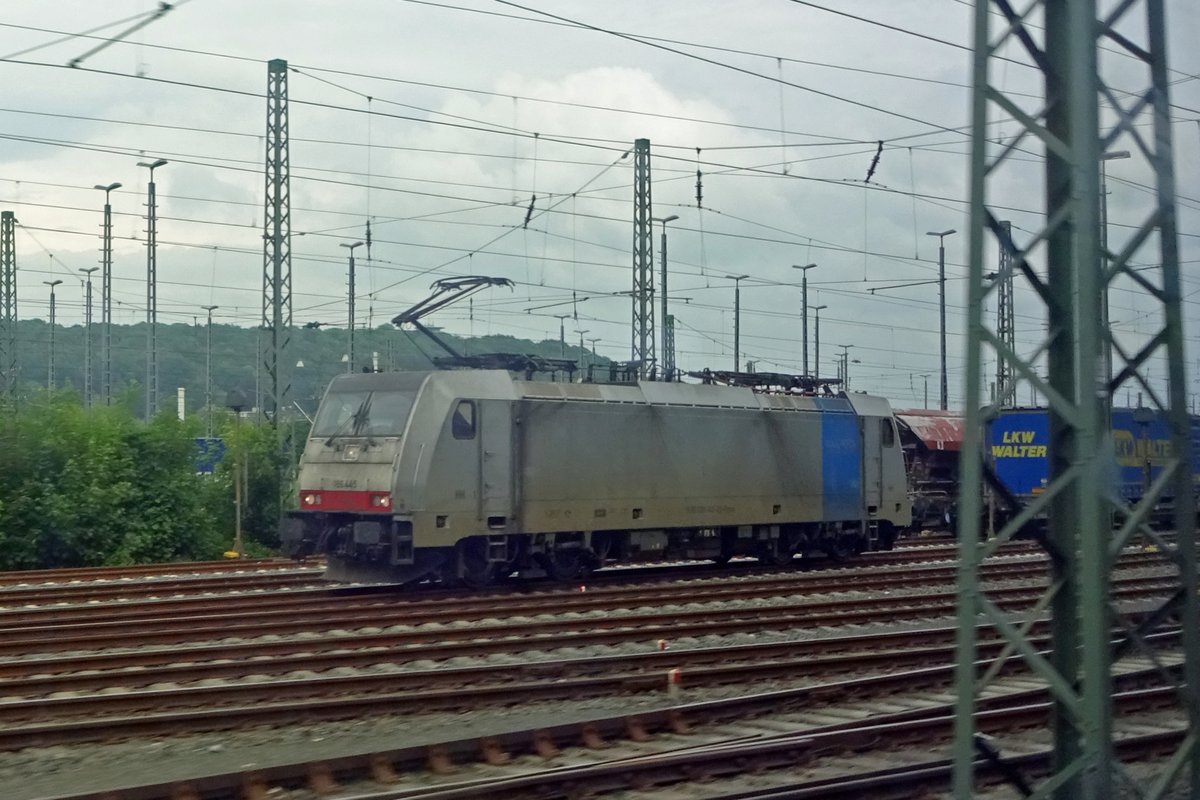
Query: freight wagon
1019, 439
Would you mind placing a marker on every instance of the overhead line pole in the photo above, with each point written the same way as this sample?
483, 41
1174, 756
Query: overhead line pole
1005, 317
737, 319
277, 246
1059, 263
668, 338
106, 266
8, 305
88, 379
151, 290
817, 341
945, 390
51, 383
350, 325
208, 406
643, 262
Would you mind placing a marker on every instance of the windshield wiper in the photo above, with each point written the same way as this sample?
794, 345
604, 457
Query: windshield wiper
362, 416
358, 419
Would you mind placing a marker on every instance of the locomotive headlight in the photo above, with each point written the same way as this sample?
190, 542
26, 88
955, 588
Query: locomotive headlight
310, 499
381, 500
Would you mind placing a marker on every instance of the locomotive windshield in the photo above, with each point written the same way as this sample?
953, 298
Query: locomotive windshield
363, 414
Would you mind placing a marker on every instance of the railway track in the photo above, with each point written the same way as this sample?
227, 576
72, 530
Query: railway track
809, 728
400, 627
103, 705
167, 584
177, 568
41, 720
128, 667
251, 615
107, 584
851, 756
142, 617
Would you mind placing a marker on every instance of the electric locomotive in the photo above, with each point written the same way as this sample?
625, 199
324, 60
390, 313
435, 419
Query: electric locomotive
465, 476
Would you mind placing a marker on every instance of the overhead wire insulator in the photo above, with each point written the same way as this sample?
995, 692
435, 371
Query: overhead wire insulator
529, 211
874, 162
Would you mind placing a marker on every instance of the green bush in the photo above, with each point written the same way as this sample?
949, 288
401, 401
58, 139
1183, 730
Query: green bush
82, 487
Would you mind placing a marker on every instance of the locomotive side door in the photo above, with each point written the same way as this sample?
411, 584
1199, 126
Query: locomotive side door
495, 463
872, 461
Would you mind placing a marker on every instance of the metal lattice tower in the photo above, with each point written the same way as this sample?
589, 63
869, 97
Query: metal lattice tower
8, 304
151, 307
88, 378
151, 291
1090, 635
51, 378
106, 263
643, 261
1005, 317
668, 366
277, 246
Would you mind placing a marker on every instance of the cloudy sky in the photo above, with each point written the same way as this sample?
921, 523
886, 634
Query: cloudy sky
438, 122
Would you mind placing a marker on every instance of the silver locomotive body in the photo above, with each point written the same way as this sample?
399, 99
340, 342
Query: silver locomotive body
470, 475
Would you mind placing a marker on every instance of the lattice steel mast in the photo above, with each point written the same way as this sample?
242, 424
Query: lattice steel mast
643, 261
1083, 547
106, 266
1005, 317
668, 365
277, 246
151, 289
8, 305
89, 380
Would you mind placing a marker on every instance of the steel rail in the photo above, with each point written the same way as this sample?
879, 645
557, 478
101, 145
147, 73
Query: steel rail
122, 583
120, 715
460, 688
91, 592
57, 624
441, 757
567, 678
811, 653
65, 574
802, 611
482, 639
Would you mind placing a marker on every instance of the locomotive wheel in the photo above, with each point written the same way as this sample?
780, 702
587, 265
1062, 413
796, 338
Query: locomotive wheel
470, 567
776, 556
837, 550
568, 564
887, 536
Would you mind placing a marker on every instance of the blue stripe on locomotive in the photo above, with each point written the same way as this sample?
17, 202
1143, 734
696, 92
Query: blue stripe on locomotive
1018, 444
841, 461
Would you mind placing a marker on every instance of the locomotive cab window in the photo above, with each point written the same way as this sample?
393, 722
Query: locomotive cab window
363, 413
887, 433
462, 424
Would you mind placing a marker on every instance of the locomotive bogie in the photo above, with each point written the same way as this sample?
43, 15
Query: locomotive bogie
488, 475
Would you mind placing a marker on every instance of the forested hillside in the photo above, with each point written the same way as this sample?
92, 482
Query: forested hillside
316, 356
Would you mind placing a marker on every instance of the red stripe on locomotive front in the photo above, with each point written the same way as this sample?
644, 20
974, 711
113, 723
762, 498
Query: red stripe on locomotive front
342, 500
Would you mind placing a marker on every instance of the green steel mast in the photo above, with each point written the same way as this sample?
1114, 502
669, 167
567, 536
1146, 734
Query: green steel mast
1064, 268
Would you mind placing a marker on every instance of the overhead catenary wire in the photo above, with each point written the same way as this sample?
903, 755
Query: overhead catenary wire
579, 199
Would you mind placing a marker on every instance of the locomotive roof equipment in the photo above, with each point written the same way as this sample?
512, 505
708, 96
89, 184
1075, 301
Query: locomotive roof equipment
448, 291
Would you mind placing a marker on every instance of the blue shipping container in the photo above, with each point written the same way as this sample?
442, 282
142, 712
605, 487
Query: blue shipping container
1019, 439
